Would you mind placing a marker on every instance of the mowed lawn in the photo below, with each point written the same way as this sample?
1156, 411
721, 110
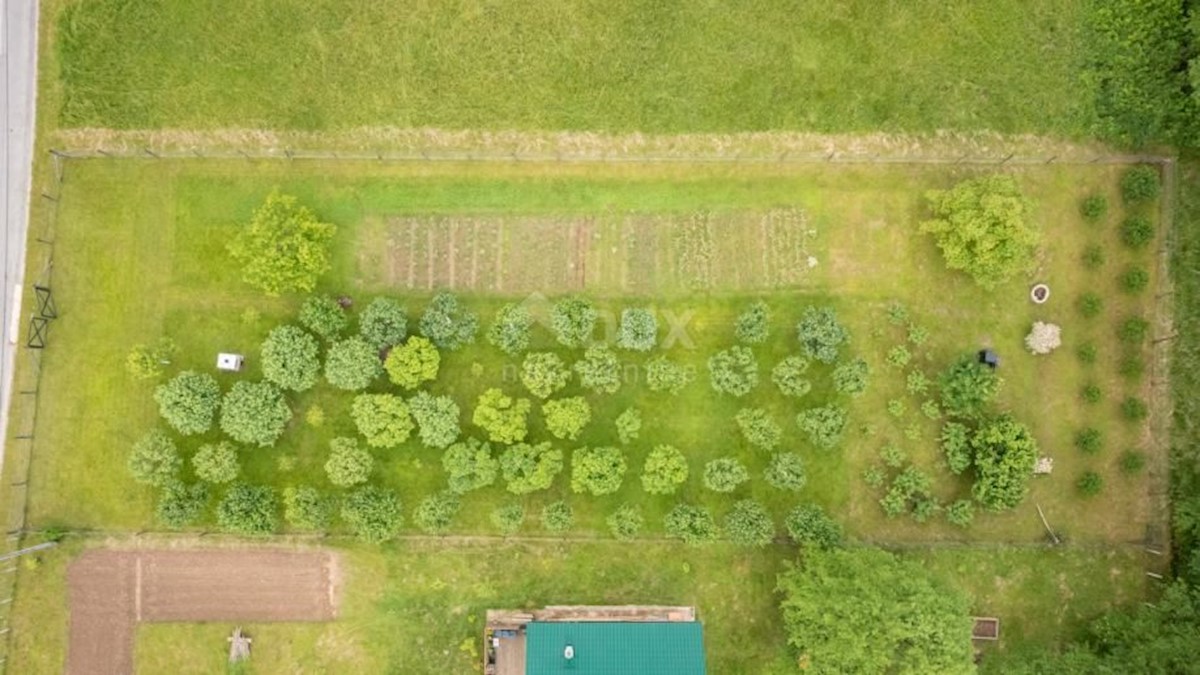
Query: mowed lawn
139, 253
1010, 65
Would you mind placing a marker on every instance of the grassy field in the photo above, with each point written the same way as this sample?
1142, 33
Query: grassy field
1009, 66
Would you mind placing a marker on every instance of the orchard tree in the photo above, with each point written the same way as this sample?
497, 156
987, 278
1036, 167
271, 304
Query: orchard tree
374, 514
809, 526
437, 419
216, 462
436, 513
510, 329
968, 387
786, 472
180, 505
189, 402
145, 362
749, 524
348, 464
254, 413
384, 323
284, 248
663, 374
154, 459
447, 323
544, 373
758, 428
983, 228
692, 524
352, 364
599, 370
414, 362
529, 468
383, 419
626, 522
324, 316
597, 471
852, 377
664, 471
725, 474
788, 375
557, 516
565, 418
1004, 453
820, 333
638, 330
501, 416
955, 441
823, 425
753, 326
248, 509
573, 320
733, 371
629, 425
469, 465
305, 508
291, 358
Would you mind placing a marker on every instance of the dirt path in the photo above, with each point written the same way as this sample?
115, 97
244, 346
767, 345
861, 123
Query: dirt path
111, 591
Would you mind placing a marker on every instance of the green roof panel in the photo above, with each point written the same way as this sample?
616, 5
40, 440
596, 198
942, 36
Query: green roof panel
614, 648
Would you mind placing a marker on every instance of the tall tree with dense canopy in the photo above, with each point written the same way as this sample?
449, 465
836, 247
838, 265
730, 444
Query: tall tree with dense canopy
753, 326
733, 371
383, 419
1004, 453
529, 468
374, 514
284, 247
565, 418
352, 364
305, 508
544, 373
469, 465
447, 323
189, 401
597, 471
663, 374
573, 320
437, 419
820, 333
291, 358
348, 464
638, 330
180, 505
823, 425
692, 524
216, 462
384, 323
503, 417
324, 316
749, 524
254, 413
154, 459
664, 471
412, 363
248, 509
599, 370
510, 329
968, 387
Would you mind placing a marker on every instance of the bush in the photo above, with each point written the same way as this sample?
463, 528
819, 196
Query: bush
599, 370
1089, 305
1140, 184
324, 316
348, 464
1043, 338
573, 320
626, 522
410, 364
508, 519
724, 475
1134, 409
216, 462
924, 509
544, 373
823, 425
1133, 331
529, 468
1086, 353
284, 247
1089, 484
894, 455
1091, 393
248, 509
597, 471
917, 335
1004, 453
1134, 279
181, 505
1131, 367
753, 326
447, 323
501, 416
383, 419
733, 371
968, 387
1089, 440
314, 416
851, 377
874, 477
436, 512
306, 508
510, 329
384, 323
982, 228
664, 471
291, 358
557, 517
1137, 232
145, 362
254, 413
469, 465
808, 525
788, 375
638, 330
961, 513
786, 472
916, 383
437, 419
1093, 208
663, 374
374, 514
1132, 462
820, 333
931, 409
154, 459
899, 356
896, 407
1093, 257
566, 418
758, 428
749, 524
189, 401
629, 425
692, 524
352, 364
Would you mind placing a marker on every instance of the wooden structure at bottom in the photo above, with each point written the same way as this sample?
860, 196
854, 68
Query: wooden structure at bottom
986, 628
239, 646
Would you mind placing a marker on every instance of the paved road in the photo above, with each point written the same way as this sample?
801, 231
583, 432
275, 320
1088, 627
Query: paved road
18, 54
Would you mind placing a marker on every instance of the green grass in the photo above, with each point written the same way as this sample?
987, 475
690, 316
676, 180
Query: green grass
1009, 66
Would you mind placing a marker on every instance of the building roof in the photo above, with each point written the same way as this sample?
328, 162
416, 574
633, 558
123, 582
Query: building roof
611, 648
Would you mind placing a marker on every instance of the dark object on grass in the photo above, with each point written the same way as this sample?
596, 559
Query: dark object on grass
989, 358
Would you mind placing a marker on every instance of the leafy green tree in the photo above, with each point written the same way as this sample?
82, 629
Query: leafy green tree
1004, 453
348, 464
566, 417
864, 610
1140, 184
820, 334
145, 362
733, 371
968, 387
786, 472
414, 362
1137, 232
758, 428
305, 508
599, 370
189, 402
383, 419
501, 416
284, 247
823, 425
788, 375
638, 330
374, 514
384, 323
509, 518
324, 316
352, 364
692, 524
248, 509
437, 419
180, 505
1093, 208
597, 471
749, 524
544, 373
629, 425
254, 413
216, 462
510, 329
753, 326
529, 468
626, 522
154, 459
663, 374
436, 513
469, 465
961, 513
852, 377
573, 320
955, 441
809, 526
664, 471
725, 474
447, 323
291, 358
983, 228
557, 516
